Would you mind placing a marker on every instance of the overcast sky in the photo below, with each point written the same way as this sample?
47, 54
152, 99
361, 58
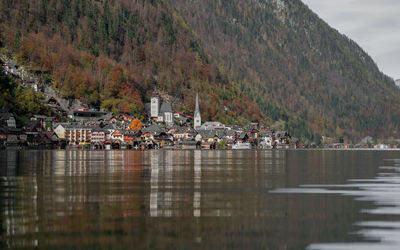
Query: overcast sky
373, 24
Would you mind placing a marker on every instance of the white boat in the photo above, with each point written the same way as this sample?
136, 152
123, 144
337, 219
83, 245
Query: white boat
242, 145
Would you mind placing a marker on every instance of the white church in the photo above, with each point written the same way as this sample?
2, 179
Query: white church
161, 112
197, 116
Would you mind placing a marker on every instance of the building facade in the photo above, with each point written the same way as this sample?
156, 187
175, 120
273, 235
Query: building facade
78, 135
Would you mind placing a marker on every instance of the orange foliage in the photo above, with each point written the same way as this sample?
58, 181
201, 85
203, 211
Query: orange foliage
136, 125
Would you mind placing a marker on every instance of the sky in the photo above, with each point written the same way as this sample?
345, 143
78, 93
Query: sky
372, 24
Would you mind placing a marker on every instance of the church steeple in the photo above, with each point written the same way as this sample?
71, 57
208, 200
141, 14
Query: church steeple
197, 116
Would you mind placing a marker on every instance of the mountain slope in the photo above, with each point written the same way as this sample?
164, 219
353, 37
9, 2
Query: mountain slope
114, 54
249, 59
295, 67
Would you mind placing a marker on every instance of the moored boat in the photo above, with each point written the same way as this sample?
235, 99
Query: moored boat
241, 145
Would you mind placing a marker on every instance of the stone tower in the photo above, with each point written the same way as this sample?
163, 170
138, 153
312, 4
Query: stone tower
155, 106
197, 116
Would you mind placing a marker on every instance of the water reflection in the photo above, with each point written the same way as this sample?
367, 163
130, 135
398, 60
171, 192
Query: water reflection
174, 199
383, 191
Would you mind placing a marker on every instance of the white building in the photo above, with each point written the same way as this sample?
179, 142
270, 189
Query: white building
197, 116
59, 130
161, 112
155, 106
166, 114
211, 126
8, 120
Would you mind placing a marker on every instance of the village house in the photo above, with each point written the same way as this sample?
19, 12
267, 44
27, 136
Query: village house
7, 119
31, 83
190, 134
33, 131
208, 138
243, 137
12, 69
3, 136
52, 102
252, 132
230, 134
59, 129
132, 138
78, 134
118, 134
164, 139
185, 121
85, 115
281, 137
166, 114
265, 129
150, 132
48, 140
11, 137
47, 122
229, 137
108, 130
211, 126
97, 136
127, 118
178, 133
189, 144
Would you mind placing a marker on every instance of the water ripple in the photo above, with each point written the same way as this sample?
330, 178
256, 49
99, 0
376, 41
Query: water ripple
383, 191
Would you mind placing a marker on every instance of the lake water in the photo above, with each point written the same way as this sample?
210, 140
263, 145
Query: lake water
200, 199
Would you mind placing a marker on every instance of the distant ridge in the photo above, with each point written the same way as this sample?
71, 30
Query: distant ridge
296, 67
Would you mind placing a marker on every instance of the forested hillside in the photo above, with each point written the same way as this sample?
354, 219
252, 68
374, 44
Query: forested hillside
22, 102
296, 67
114, 54
270, 60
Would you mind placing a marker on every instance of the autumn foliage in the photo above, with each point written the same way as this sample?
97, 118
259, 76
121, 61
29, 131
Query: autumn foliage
113, 54
136, 124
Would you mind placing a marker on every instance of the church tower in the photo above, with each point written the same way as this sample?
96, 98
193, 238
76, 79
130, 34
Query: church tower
197, 116
155, 106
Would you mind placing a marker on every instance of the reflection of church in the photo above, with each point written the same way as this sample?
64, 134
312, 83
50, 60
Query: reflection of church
165, 193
